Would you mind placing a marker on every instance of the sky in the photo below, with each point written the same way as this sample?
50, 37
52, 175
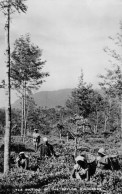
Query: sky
72, 35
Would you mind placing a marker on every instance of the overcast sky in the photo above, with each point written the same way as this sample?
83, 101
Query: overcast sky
72, 34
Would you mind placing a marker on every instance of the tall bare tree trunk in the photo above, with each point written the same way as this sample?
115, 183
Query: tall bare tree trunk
75, 151
121, 116
105, 124
22, 118
96, 127
24, 109
7, 137
22, 121
27, 110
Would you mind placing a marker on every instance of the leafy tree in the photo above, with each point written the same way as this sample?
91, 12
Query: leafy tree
111, 82
26, 70
8, 7
27, 64
89, 103
15, 121
39, 118
97, 104
115, 114
81, 100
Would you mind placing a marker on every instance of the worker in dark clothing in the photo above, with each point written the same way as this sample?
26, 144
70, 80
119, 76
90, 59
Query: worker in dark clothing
46, 149
85, 167
22, 161
80, 170
102, 160
107, 162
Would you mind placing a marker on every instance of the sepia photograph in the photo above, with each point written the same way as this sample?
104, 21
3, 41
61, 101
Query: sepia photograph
60, 96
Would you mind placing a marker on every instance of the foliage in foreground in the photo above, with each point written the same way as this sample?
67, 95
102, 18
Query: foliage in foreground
54, 176
26, 182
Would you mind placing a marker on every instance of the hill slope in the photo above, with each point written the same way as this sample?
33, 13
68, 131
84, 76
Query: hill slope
49, 98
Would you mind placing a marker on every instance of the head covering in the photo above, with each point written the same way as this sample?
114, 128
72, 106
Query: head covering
76, 166
44, 139
35, 129
101, 151
21, 154
79, 158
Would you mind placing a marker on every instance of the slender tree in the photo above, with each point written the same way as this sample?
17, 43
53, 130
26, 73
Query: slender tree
82, 97
8, 7
26, 71
111, 82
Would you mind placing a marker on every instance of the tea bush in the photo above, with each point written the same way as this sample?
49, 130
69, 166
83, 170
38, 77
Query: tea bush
54, 175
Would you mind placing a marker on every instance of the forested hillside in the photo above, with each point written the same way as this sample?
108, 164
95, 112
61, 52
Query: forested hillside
49, 99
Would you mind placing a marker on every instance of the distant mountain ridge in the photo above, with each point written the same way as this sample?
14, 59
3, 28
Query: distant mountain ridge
49, 99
